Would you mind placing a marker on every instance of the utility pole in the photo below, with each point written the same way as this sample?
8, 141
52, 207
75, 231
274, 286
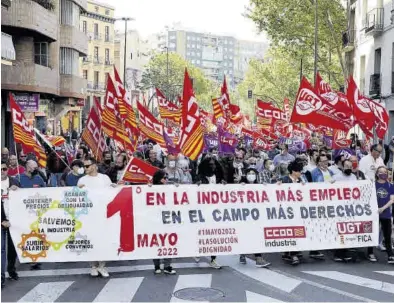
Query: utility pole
125, 19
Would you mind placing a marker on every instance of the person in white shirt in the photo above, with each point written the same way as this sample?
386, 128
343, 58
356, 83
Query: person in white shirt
337, 167
370, 163
347, 173
93, 179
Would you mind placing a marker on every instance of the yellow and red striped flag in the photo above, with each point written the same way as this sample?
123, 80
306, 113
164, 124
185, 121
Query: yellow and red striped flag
24, 133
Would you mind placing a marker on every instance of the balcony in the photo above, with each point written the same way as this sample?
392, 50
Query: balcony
348, 40
72, 37
109, 39
72, 86
96, 86
81, 3
23, 76
98, 60
87, 60
25, 15
374, 22
375, 84
108, 62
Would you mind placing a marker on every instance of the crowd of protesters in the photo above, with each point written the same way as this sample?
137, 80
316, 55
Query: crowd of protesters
244, 166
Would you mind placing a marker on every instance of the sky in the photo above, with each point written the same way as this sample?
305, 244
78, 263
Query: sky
214, 16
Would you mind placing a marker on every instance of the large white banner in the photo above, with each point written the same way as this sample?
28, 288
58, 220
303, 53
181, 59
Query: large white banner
142, 222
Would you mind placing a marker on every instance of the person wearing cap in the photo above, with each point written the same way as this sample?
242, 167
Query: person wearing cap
77, 172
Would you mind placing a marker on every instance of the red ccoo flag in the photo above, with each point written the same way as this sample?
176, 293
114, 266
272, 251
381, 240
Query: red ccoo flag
139, 171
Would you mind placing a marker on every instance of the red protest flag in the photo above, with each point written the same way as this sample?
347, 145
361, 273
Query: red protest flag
311, 108
270, 113
139, 171
192, 131
339, 140
24, 133
93, 136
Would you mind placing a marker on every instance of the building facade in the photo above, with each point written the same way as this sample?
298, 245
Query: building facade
369, 50
216, 55
44, 68
97, 22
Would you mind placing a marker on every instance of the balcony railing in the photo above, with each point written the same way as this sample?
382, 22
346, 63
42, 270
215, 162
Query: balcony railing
108, 62
47, 4
108, 39
374, 21
98, 60
87, 59
348, 40
97, 86
374, 84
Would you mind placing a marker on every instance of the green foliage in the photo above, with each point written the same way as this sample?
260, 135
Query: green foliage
290, 26
155, 75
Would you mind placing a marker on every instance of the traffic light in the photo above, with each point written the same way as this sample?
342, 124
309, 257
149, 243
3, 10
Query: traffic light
250, 94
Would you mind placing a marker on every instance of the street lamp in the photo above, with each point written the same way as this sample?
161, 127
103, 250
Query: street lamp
168, 81
125, 19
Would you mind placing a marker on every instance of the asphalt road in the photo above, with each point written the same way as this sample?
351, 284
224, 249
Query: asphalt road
134, 281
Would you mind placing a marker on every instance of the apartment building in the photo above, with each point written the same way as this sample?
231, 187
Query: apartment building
43, 44
216, 55
138, 53
368, 44
97, 22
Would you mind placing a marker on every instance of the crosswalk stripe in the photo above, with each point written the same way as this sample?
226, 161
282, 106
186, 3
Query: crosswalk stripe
389, 273
355, 280
119, 290
253, 297
265, 276
113, 269
187, 281
46, 292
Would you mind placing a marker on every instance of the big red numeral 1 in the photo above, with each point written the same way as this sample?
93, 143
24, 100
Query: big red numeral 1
123, 203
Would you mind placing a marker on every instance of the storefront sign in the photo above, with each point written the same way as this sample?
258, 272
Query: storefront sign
143, 222
28, 102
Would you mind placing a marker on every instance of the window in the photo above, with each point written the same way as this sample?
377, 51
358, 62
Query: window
198, 46
96, 30
188, 53
378, 60
69, 13
107, 12
84, 27
41, 53
106, 33
225, 63
107, 56
188, 37
198, 61
193, 61
85, 73
96, 53
172, 37
106, 78
69, 61
193, 46
225, 41
96, 8
96, 78
188, 45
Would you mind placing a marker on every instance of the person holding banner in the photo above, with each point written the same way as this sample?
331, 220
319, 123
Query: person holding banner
385, 196
347, 172
93, 179
8, 252
160, 178
174, 173
251, 178
267, 174
71, 178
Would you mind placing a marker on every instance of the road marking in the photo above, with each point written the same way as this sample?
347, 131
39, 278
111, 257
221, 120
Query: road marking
46, 292
187, 281
390, 273
265, 276
119, 290
253, 297
355, 280
114, 269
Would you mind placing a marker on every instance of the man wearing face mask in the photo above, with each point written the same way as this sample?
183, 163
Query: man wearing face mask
106, 164
347, 173
31, 178
82, 153
77, 172
175, 174
358, 173
267, 174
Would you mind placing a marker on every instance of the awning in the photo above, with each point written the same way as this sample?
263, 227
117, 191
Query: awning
7, 47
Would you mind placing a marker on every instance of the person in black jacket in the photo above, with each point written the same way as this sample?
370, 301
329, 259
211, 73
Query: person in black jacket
8, 251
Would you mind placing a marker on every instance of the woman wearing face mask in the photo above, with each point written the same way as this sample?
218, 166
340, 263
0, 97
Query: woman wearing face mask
183, 164
267, 174
71, 178
252, 178
175, 174
385, 196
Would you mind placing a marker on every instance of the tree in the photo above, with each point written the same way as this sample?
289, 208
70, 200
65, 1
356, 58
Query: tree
272, 80
290, 25
155, 75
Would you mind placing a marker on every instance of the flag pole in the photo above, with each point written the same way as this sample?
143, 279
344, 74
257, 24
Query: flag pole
17, 162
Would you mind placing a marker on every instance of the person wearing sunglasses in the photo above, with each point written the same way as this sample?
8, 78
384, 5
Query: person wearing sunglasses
8, 252
369, 164
93, 180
